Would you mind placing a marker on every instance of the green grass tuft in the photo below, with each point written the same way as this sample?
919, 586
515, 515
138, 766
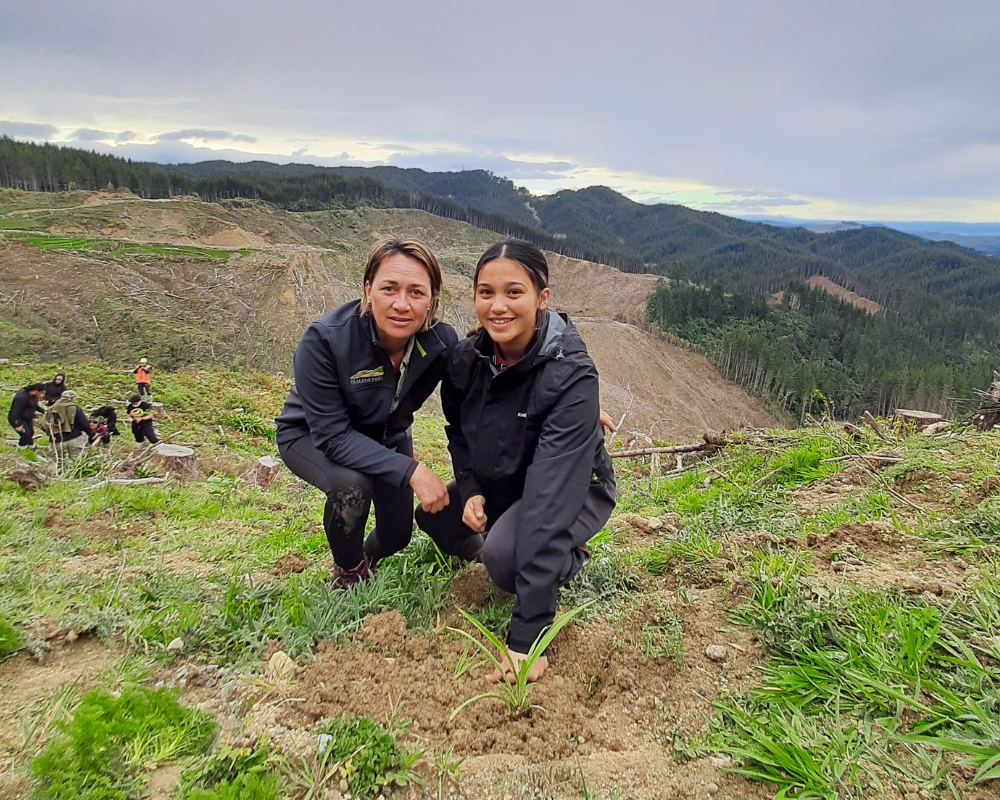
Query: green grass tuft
368, 756
10, 639
108, 746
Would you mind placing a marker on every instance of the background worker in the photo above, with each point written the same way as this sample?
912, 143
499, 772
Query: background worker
55, 388
23, 410
140, 414
142, 379
108, 417
68, 425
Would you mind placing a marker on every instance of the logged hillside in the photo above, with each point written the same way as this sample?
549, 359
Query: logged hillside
111, 276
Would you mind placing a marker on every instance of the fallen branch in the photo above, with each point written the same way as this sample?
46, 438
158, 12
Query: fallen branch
123, 482
768, 476
648, 451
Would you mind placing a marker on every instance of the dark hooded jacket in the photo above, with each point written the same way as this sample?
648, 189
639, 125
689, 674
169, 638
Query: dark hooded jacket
54, 389
23, 409
344, 388
529, 433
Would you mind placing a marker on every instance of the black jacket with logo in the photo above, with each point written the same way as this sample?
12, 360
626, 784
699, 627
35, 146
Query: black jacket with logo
344, 386
529, 433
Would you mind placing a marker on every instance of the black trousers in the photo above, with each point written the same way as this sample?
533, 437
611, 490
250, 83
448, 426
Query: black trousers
349, 498
144, 432
500, 546
143, 390
27, 435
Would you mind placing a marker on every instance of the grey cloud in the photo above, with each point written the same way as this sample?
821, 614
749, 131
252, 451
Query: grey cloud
497, 164
91, 135
751, 205
29, 130
799, 97
206, 136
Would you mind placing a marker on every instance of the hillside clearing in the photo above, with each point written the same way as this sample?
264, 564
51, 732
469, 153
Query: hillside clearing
187, 283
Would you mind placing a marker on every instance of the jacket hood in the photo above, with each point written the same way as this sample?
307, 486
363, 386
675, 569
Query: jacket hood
560, 335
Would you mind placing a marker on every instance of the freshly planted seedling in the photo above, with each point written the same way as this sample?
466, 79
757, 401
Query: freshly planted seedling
465, 663
514, 694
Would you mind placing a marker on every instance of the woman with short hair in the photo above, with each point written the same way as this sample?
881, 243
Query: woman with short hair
533, 481
361, 371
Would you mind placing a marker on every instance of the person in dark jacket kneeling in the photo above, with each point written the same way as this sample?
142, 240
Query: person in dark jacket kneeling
361, 370
533, 481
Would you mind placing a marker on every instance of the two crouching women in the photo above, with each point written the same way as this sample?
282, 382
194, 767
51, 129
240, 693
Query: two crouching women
533, 481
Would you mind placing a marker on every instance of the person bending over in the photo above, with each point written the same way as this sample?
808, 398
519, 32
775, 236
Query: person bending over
533, 480
23, 410
108, 417
361, 370
68, 425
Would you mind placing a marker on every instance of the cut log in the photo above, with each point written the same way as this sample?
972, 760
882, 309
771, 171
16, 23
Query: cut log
937, 427
263, 471
179, 461
918, 419
26, 475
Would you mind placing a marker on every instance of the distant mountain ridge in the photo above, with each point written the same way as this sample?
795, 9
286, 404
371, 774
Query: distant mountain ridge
983, 237
953, 292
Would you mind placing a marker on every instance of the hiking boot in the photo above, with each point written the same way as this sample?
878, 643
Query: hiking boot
346, 578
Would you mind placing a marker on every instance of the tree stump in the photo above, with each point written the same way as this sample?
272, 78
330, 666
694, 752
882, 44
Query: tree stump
264, 470
178, 460
26, 475
918, 419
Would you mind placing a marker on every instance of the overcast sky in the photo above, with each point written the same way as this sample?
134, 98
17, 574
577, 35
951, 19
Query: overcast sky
832, 110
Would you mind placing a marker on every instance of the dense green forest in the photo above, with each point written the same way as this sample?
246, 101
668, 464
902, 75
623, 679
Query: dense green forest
939, 328
811, 349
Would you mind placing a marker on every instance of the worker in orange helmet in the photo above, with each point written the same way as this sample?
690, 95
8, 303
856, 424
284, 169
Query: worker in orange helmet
142, 380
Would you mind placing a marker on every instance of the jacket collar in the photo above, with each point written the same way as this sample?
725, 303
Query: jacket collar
548, 343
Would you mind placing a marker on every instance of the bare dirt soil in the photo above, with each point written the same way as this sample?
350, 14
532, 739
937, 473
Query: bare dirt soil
855, 299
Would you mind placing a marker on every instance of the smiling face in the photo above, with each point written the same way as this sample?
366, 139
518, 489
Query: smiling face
507, 305
399, 297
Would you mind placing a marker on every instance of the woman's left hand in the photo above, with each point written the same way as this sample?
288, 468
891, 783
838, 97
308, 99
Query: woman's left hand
509, 664
607, 424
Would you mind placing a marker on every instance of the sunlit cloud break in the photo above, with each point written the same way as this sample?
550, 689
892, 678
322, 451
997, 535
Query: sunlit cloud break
540, 173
